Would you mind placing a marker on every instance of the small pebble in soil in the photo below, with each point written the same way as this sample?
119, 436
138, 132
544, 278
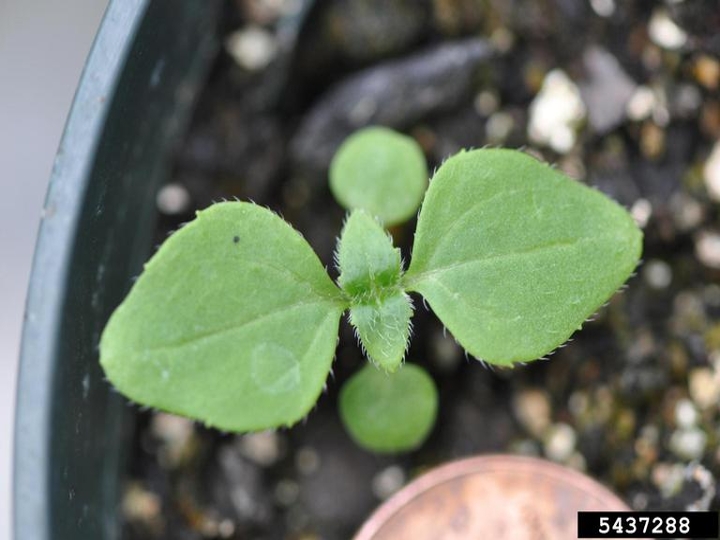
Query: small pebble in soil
176, 435
559, 443
606, 90
252, 47
556, 112
578, 404
142, 508
657, 274
226, 528
688, 443
173, 199
663, 31
707, 248
661, 114
652, 140
498, 127
604, 8
686, 212
707, 71
704, 387
263, 448
502, 39
641, 210
532, 409
686, 415
641, 104
486, 102
711, 173
388, 481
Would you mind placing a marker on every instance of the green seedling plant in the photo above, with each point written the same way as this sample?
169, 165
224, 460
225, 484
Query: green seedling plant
234, 321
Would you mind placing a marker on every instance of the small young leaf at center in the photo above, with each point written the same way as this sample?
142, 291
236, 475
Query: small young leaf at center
389, 412
383, 327
370, 271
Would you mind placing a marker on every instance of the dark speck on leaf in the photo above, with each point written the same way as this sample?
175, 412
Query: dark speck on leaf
236, 239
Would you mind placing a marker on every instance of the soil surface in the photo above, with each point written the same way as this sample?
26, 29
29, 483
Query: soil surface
622, 95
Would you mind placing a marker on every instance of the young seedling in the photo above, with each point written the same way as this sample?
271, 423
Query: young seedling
234, 320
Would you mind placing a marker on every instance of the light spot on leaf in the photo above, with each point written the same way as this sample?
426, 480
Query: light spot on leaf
275, 369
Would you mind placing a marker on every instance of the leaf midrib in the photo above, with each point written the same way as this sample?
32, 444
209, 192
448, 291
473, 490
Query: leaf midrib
214, 333
411, 281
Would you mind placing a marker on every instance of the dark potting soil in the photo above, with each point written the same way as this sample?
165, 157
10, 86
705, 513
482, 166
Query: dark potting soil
622, 95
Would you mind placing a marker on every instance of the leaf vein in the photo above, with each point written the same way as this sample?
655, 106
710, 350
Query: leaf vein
216, 332
456, 223
432, 274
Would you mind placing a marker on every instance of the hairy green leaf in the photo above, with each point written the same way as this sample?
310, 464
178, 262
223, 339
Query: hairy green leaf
233, 322
383, 327
367, 260
389, 412
380, 171
370, 271
514, 256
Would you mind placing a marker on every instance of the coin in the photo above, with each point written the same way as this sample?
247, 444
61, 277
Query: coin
491, 497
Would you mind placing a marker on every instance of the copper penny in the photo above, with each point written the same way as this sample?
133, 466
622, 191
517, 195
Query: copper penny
490, 497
